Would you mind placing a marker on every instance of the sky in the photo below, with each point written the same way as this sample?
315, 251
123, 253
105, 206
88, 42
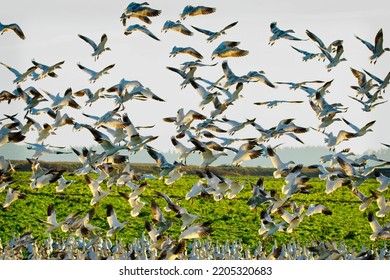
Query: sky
51, 29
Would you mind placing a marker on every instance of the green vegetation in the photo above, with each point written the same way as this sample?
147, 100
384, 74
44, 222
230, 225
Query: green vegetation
231, 219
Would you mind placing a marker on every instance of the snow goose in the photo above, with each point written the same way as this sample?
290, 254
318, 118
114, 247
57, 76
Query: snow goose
51, 220
306, 55
47, 70
383, 205
97, 193
371, 102
41, 149
12, 27
199, 230
334, 60
196, 11
208, 157
332, 141
141, 9
234, 189
185, 50
176, 26
98, 49
313, 209
278, 34
296, 85
95, 75
186, 75
259, 195
379, 232
230, 77
293, 220
282, 168
376, 49
134, 200
383, 180
183, 150
246, 152
161, 162
206, 96
186, 218
13, 194
92, 96
228, 49
20, 77
62, 184
144, 93
324, 173
171, 205
273, 103
137, 27
360, 131
330, 48
198, 188
259, 76
112, 220
236, 125
194, 63
212, 35
382, 84
364, 85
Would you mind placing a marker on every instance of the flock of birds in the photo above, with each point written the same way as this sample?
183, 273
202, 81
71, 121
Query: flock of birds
212, 136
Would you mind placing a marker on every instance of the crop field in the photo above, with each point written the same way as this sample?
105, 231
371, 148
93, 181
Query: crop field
232, 220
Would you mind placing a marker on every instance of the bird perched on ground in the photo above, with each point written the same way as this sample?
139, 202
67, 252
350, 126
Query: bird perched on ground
98, 49
12, 27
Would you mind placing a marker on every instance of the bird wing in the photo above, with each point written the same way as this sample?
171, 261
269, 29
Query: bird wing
89, 41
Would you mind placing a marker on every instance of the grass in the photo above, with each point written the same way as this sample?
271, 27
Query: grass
231, 219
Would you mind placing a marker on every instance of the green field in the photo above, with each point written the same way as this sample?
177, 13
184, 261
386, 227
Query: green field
232, 220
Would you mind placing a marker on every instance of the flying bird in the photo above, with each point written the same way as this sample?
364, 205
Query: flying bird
98, 49
136, 27
279, 33
176, 26
20, 77
196, 11
12, 27
185, 50
95, 75
213, 35
376, 48
228, 49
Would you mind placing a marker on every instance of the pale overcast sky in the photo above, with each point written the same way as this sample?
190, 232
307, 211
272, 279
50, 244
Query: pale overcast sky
51, 29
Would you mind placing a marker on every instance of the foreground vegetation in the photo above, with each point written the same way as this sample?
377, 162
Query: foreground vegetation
231, 219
